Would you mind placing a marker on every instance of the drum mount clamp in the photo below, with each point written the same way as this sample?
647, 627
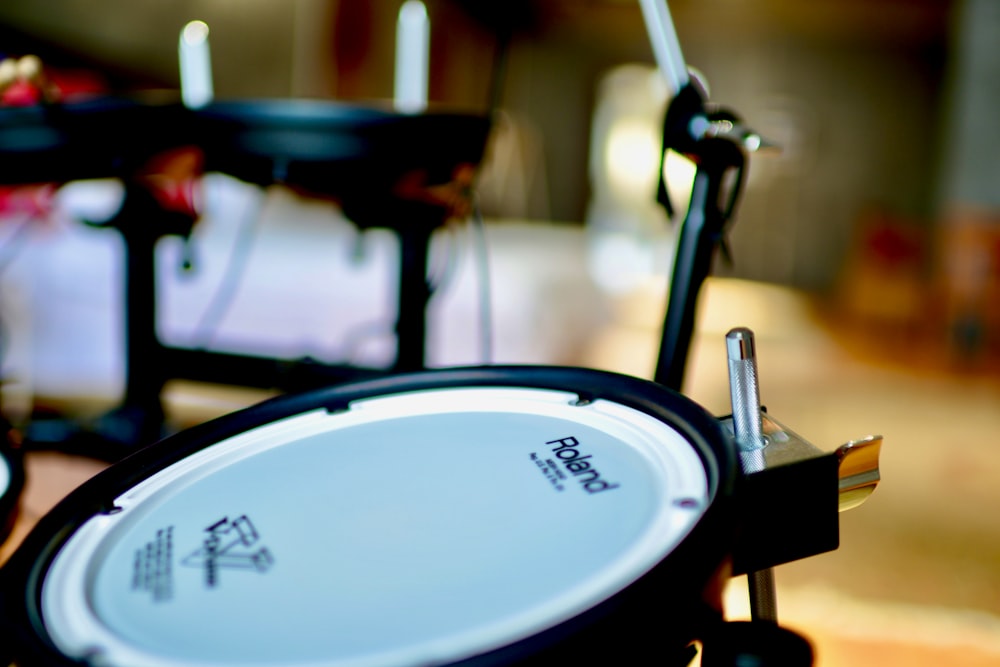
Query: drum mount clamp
791, 491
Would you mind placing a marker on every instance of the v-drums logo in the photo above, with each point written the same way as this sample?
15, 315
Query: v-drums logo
230, 545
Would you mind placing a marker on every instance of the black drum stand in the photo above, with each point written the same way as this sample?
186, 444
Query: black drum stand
404, 172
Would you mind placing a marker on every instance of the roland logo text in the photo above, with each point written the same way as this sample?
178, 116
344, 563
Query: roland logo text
579, 465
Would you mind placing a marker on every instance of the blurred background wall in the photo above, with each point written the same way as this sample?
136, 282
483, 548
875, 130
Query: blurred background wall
855, 91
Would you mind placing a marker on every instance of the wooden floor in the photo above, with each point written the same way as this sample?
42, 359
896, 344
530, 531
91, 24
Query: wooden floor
916, 580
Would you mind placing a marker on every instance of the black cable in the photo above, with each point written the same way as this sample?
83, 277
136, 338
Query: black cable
498, 72
480, 245
481, 249
439, 277
233, 275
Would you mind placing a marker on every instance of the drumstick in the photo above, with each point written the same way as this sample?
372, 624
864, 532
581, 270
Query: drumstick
8, 74
666, 47
412, 57
745, 398
195, 65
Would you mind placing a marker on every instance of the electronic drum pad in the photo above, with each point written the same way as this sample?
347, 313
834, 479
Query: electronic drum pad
478, 516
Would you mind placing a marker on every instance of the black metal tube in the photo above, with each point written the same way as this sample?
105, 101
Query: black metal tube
414, 294
692, 264
144, 370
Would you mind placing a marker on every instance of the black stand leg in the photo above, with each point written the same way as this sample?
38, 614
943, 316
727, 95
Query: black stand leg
414, 295
139, 419
144, 371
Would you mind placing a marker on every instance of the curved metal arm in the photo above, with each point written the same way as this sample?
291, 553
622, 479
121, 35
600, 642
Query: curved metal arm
709, 210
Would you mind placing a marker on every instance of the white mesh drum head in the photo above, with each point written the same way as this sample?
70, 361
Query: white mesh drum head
418, 528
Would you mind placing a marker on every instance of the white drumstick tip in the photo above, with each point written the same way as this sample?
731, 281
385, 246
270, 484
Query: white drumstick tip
195, 65
412, 57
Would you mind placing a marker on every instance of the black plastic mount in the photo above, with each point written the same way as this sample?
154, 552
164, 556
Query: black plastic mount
713, 198
787, 513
